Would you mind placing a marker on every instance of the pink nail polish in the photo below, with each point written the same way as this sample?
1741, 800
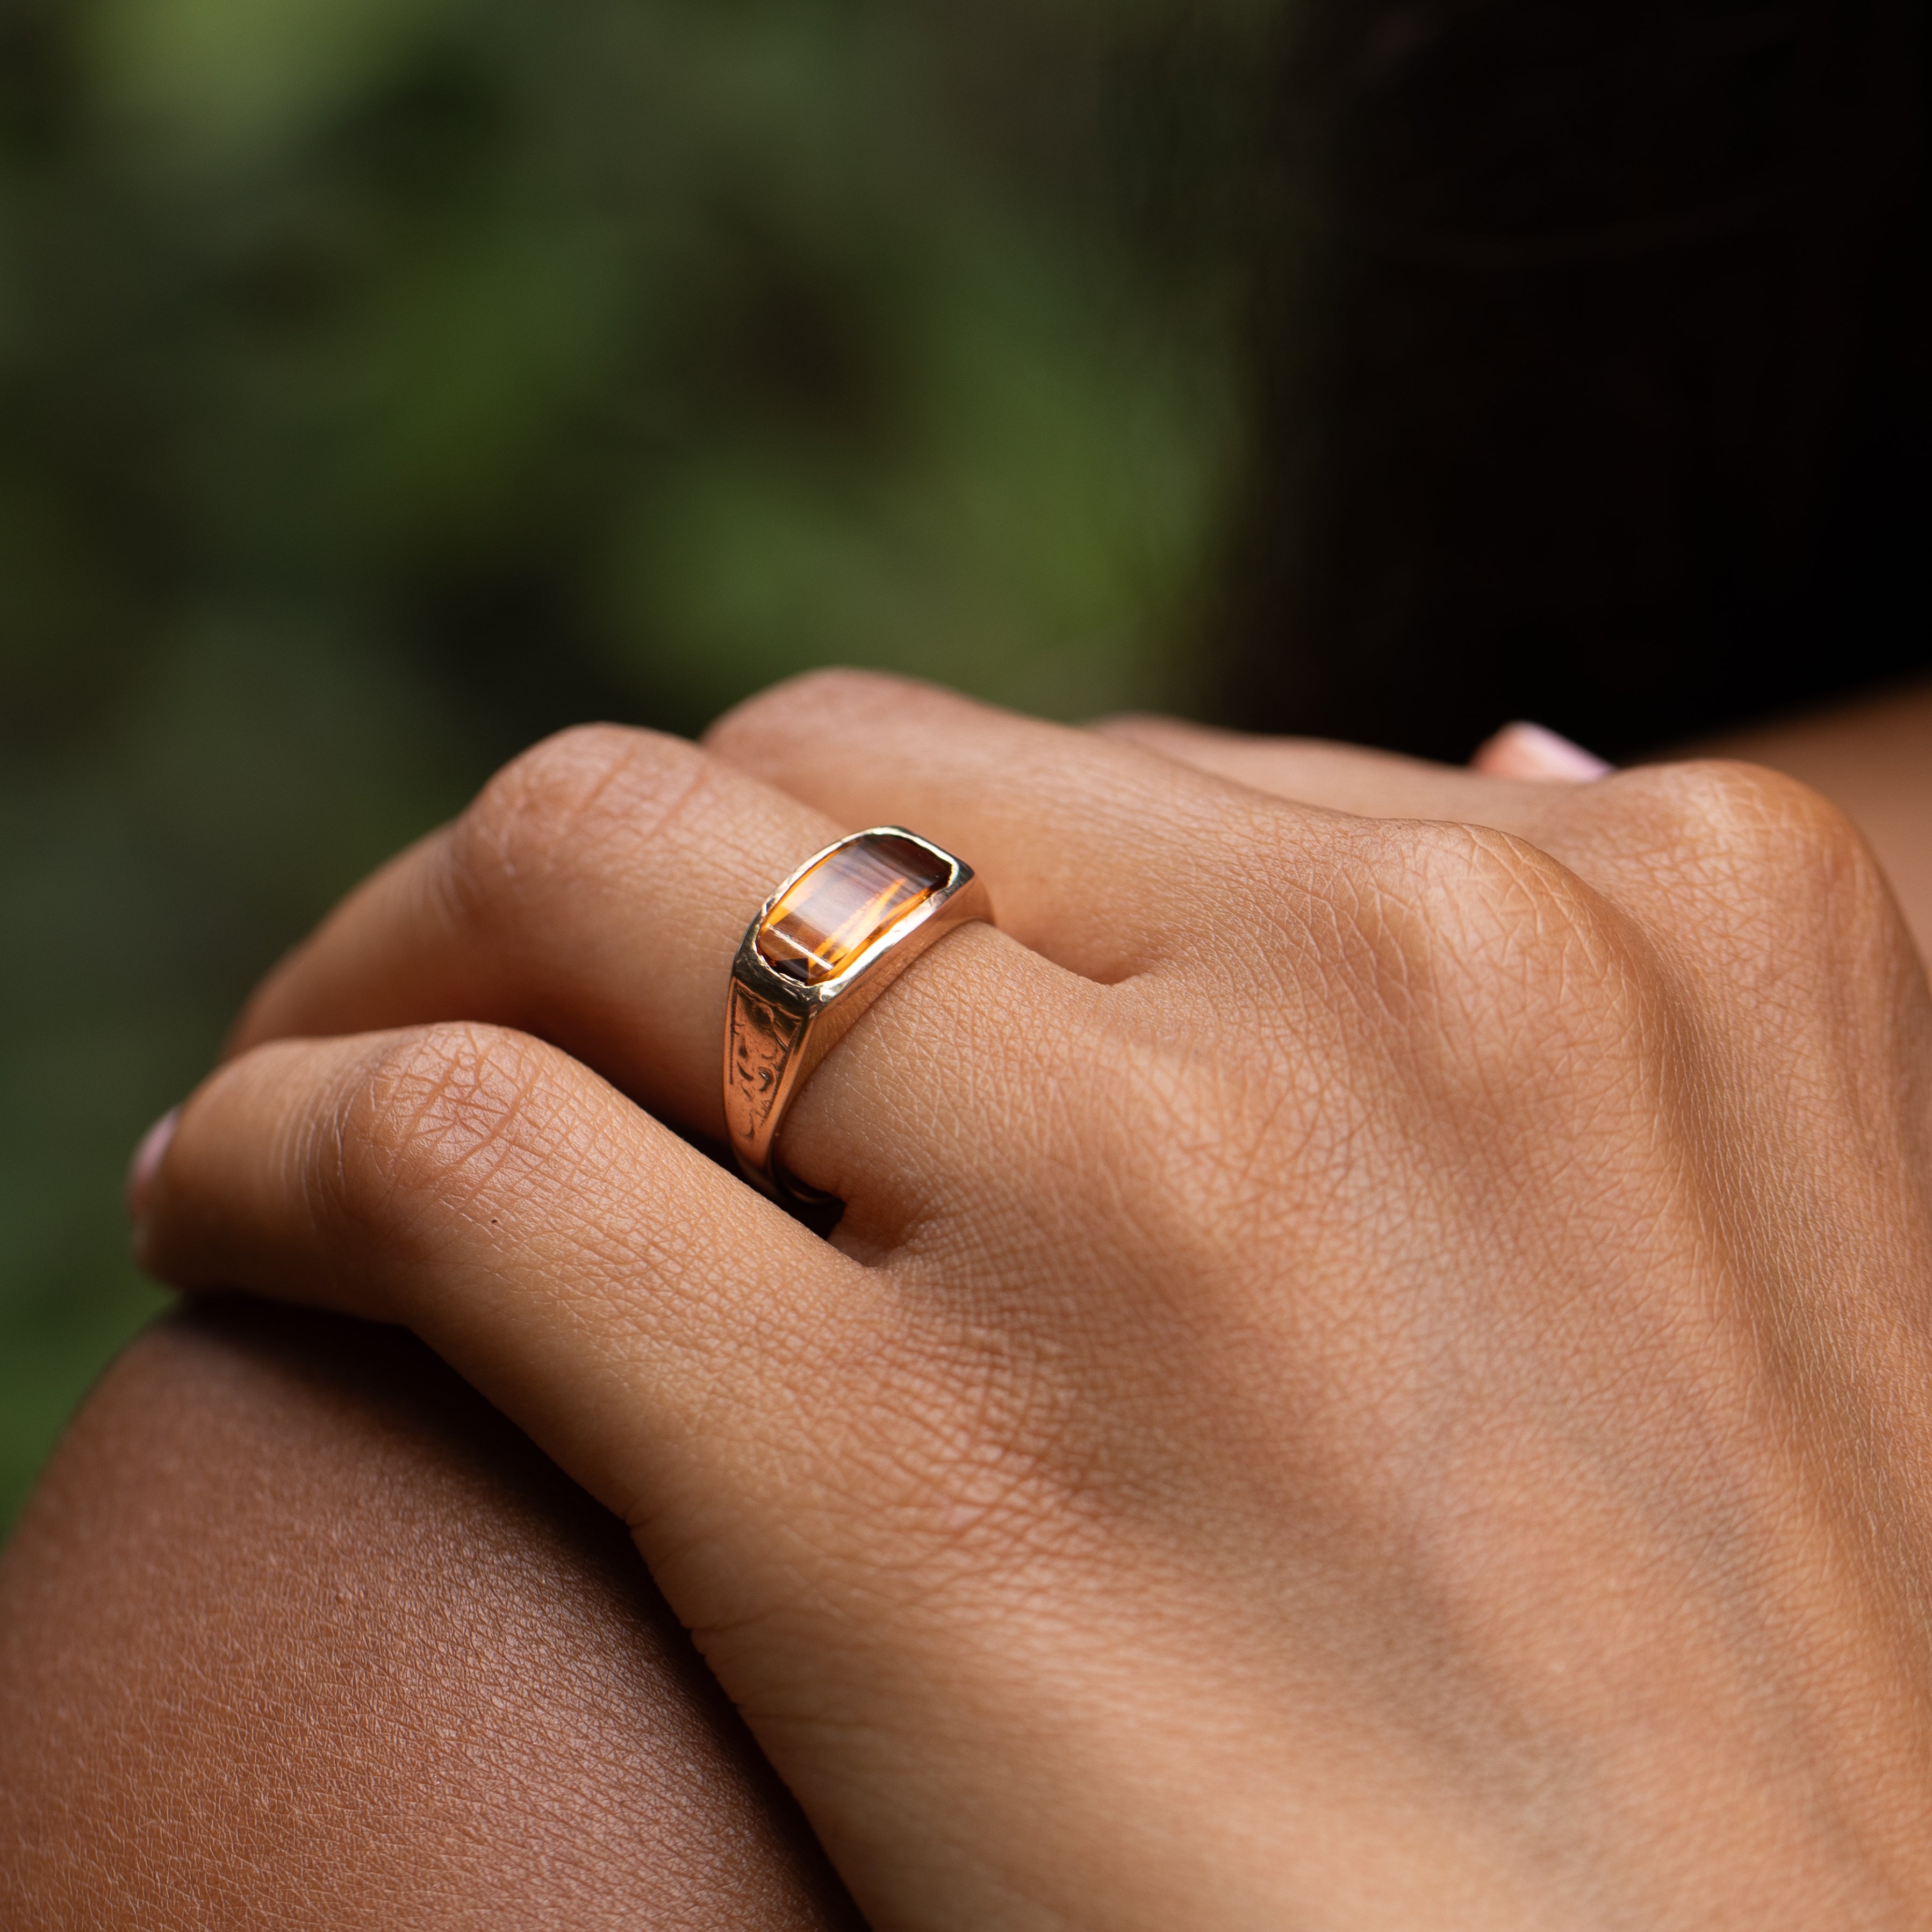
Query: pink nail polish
147, 1162
1533, 751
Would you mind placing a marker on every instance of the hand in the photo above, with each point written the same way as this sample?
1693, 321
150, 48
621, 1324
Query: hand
1374, 1373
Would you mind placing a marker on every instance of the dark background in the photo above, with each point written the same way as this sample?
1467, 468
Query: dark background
384, 383
1607, 393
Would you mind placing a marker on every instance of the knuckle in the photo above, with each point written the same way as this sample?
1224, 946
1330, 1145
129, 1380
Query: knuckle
422, 1123
831, 697
1414, 936
1478, 958
535, 821
1759, 847
1476, 897
1748, 815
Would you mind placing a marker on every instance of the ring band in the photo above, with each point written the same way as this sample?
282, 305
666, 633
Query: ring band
823, 948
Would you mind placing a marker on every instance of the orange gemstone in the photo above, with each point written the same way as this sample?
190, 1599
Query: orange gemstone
825, 919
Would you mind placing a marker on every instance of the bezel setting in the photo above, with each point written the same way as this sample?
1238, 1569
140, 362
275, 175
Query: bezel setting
777, 1028
752, 966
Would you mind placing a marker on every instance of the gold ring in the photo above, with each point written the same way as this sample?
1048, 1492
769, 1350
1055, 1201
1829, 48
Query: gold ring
823, 948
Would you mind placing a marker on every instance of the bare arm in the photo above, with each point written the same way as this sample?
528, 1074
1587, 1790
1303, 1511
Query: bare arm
299, 1632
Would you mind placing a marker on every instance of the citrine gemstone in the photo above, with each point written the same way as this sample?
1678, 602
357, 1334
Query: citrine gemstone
825, 919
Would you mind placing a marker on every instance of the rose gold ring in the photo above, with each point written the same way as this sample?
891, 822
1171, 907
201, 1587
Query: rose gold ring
823, 948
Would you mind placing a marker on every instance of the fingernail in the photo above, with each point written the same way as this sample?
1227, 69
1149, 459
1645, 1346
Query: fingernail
1533, 751
147, 1163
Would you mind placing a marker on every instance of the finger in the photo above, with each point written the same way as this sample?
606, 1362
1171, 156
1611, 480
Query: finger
571, 1257
1069, 827
1102, 844
1653, 839
780, 1427
595, 895
1340, 778
1527, 781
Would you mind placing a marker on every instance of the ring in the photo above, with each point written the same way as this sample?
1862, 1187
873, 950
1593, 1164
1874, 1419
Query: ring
823, 948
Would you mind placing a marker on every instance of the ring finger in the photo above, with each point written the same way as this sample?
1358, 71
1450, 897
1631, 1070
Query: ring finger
594, 896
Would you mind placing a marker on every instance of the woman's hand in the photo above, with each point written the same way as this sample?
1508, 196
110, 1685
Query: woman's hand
1375, 1369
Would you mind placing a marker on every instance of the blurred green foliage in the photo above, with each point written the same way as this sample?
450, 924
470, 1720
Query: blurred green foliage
384, 382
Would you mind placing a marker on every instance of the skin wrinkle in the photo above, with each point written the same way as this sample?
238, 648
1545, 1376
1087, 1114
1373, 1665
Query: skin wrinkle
667, 828
1036, 1440
430, 1183
528, 819
408, 1134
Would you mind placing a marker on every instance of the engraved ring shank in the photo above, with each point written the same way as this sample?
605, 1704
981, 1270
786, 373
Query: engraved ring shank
823, 948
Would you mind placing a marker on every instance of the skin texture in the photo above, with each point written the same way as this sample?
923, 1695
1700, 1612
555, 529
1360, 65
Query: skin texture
299, 1632
1385, 1388
292, 1447
1874, 760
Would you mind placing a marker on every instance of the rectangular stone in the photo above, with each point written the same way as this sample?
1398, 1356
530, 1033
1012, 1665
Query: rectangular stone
825, 919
